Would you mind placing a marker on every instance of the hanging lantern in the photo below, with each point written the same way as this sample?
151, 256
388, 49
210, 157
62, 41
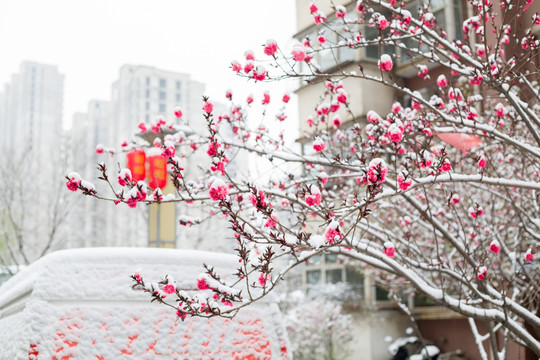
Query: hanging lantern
136, 164
157, 171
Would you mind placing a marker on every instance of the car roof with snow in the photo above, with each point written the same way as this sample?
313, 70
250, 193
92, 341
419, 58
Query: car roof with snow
78, 304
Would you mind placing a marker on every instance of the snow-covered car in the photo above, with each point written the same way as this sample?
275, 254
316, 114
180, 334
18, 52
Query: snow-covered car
78, 304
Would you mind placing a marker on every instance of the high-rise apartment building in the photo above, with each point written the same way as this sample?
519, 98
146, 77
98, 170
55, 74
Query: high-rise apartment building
378, 317
32, 143
143, 92
31, 108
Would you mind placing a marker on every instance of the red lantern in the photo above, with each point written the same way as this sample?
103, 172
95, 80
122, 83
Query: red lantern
135, 164
157, 169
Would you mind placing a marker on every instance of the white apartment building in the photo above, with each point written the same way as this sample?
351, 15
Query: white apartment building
31, 108
143, 92
32, 143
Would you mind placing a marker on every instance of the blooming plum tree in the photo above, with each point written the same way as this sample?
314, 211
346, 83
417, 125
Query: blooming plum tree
439, 194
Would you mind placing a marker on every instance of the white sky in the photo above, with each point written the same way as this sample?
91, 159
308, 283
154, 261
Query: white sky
89, 40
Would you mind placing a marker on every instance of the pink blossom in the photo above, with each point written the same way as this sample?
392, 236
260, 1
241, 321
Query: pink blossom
258, 201
178, 112
264, 278
455, 199
142, 127
441, 81
395, 133
249, 99
299, 53
323, 176
529, 256
169, 151
342, 97
385, 63
226, 302
220, 166
236, 66
202, 285
337, 121
319, 144
422, 70
99, 149
474, 213
271, 222
495, 247
389, 249
138, 277
446, 166
266, 98
132, 202
334, 106
218, 190
482, 272
382, 23
373, 117
321, 39
124, 177
377, 170
270, 48
74, 180
319, 18
286, 98
157, 195
332, 233
341, 11
323, 109
314, 198
208, 107
360, 6
169, 289
259, 73
501, 110
249, 55
402, 183
212, 149
313, 7
249, 66
396, 107
482, 162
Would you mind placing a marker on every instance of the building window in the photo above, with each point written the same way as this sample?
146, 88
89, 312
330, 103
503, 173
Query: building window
334, 276
148, 81
315, 260
162, 83
162, 95
147, 93
381, 294
147, 106
178, 85
313, 277
178, 97
162, 108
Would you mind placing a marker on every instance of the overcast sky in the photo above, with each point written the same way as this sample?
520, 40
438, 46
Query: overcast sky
91, 40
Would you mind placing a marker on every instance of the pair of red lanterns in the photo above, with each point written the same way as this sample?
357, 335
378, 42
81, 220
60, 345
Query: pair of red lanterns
138, 162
